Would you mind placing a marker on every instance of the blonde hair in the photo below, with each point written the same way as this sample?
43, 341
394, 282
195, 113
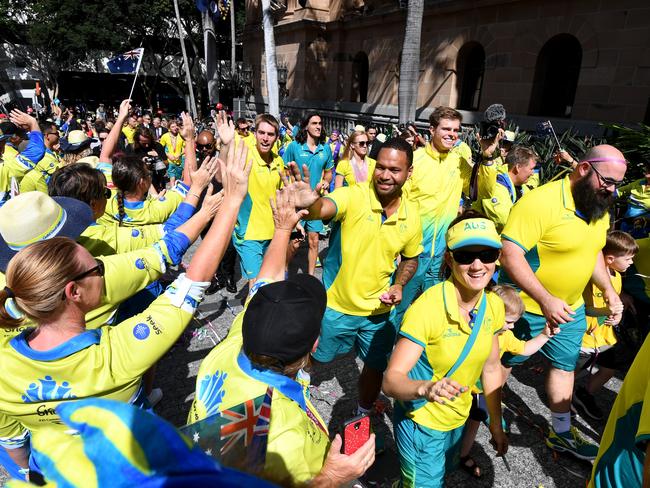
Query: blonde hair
352, 138
513, 302
73, 157
36, 277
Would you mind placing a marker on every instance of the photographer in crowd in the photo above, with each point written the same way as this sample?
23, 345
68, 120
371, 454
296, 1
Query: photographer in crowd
152, 153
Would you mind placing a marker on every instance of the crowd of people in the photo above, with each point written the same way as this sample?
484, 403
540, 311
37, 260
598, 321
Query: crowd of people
444, 270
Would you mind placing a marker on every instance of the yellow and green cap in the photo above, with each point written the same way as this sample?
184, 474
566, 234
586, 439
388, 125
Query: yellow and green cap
473, 232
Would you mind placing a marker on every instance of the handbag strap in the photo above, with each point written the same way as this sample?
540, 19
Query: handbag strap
478, 322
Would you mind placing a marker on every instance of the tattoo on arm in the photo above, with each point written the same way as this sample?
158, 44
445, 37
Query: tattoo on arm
406, 269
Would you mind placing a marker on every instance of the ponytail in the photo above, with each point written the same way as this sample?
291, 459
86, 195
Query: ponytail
120, 206
7, 320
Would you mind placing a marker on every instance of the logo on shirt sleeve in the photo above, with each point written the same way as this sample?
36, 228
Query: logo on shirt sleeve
47, 389
141, 331
135, 233
140, 264
211, 392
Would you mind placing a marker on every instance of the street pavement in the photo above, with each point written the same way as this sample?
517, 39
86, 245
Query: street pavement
529, 463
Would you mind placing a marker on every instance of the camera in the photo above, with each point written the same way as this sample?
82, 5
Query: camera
154, 163
494, 118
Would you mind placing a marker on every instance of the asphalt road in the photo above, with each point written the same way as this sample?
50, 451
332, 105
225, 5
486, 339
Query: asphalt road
530, 462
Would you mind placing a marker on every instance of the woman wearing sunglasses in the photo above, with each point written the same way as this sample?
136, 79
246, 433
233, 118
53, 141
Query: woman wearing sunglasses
60, 360
355, 166
446, 343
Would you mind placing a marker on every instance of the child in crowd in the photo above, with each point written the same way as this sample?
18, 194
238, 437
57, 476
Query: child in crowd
507, 343
598, 356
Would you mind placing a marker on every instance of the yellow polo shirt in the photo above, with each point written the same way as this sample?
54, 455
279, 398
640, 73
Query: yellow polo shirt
255, 218
107, 239
486, 176
623, 446
602, 335
498, 205
129, 133
436, 185
637, 195
174, 151
148, 211
561, 248
363, 249
38, 178
344, 168
434, 322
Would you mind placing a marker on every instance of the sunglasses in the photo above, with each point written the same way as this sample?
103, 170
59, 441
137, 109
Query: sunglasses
362, 143
202, 147
98, 268
486, 256
606, 182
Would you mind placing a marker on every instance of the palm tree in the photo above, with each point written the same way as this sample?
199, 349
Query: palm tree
410, 65
269, 54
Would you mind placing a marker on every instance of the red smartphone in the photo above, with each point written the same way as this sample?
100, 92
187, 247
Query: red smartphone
356, 433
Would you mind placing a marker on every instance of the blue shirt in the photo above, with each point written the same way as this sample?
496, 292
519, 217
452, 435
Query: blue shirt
318, 161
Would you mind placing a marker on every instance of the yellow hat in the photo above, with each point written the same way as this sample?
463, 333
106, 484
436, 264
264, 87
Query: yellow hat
473, 232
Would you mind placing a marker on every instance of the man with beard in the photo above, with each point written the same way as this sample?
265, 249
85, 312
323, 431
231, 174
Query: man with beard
372, 225
552, 246
310, 149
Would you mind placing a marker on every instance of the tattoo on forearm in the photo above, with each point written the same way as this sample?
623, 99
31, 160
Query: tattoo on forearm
406, 269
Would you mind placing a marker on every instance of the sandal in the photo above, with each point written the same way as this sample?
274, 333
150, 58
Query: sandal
468, 465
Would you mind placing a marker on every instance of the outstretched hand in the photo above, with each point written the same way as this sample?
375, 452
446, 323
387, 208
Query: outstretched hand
212, 202
203, 175
305, 196
188, 131
225, 128
235, 172
23, 120
285, 216
125, 108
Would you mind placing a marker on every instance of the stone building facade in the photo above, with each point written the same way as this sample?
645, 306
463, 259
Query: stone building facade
573, 60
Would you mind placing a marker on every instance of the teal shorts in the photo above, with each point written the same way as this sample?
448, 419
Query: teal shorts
372, 337
175, 171
425, 455
562, 350
312, 225
251, 255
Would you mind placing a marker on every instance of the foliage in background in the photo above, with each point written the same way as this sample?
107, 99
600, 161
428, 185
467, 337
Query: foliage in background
545, 146
634, 142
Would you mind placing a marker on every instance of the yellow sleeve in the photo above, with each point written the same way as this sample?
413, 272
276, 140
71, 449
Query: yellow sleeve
625, 191
341, 198
109, 238
509, 343
343, 168
134, 345
497, 207
417, 324
413, 247
160, 209
125, 275
643, 432
12, 433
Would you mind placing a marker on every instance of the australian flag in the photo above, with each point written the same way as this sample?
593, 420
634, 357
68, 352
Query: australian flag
544, 128
127, 62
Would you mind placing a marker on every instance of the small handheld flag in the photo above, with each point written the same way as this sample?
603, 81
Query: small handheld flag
545, 128
129, 62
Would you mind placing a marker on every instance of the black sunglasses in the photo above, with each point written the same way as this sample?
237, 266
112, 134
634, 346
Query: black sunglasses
203, 146
98, 268
605, 181
362, 143
487, 256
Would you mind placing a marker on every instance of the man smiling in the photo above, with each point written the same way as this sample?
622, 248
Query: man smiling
436, 184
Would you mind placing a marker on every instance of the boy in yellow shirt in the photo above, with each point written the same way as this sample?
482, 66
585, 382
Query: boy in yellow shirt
507, 343
597, 354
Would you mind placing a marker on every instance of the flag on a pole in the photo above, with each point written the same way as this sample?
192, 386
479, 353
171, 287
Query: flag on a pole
129, 62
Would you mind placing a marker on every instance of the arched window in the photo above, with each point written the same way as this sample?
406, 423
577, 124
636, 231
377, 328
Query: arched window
556, 77
470, 67
360, 78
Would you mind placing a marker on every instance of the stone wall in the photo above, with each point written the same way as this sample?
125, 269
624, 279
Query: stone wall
319, 45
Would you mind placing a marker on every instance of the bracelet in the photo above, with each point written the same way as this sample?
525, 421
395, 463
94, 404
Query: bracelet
194, 195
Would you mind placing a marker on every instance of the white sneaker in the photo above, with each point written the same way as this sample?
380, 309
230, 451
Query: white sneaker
155, 396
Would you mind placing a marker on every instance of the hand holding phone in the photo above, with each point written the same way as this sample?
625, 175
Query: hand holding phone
356, 433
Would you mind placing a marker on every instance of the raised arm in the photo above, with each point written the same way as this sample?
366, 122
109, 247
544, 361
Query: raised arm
305, 197
188, 133
285, 218
235, 187
114, 135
